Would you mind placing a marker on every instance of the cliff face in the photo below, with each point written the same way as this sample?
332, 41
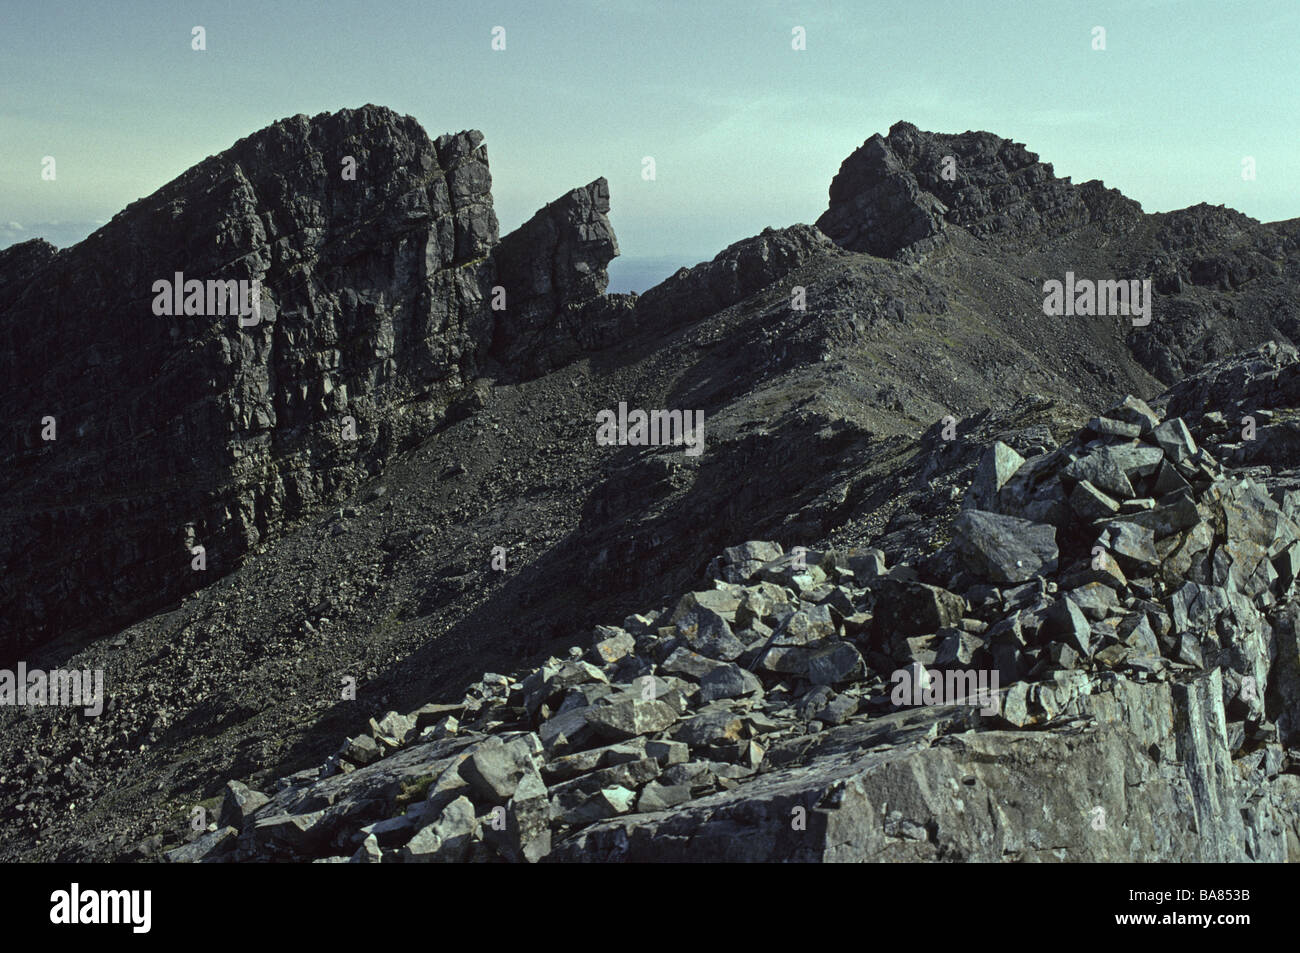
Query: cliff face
553, 261
371, 245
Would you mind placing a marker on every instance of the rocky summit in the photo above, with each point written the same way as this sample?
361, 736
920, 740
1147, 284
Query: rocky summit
937, 573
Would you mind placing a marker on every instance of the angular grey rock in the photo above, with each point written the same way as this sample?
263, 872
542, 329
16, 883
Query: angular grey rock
393, 730
300, 832
394, 831
998, 465
835, 664
1004, 549
1197, 608
610, 644
1068, 623
1135, 411
1109, 427
710, 727
808, 626
867, 564
743, 561
629, 717
1169, 480
722, 601
661, 797
606, 803
956, 648
1175, 440
838, 710
361, 750
239, 804
496, 767
708, 633
1094, 600
797, 569
447, 839
566, 731
1134, 547
1101, 469
566, 767
206, 848
728, 681
368, 853
551, 681
1129, 722
1090, 503
915, 608
667, 752
759, 603
692, 665
1135, 633
528, 821
631, 775
1136, 460
1175, 513
1016, 708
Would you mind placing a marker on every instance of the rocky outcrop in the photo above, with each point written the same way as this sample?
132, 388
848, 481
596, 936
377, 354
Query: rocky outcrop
549, 268
18, 263
898, 191
1222, 282
376, 251
574, 235
189, 430
738, 272
1135, 698
877, 205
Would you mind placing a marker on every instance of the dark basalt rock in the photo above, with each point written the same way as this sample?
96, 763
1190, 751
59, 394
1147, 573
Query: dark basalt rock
811, 733
737, 272
183, 430
899, 190
550, 266
177, 431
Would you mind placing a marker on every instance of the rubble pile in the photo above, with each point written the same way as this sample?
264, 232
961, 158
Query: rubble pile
1130, 600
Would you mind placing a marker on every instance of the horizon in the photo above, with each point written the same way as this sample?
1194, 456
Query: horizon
124, 103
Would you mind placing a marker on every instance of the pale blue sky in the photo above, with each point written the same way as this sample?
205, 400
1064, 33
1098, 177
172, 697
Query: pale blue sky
745, 131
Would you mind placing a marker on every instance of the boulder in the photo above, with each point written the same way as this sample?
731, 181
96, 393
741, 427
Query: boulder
1004, 549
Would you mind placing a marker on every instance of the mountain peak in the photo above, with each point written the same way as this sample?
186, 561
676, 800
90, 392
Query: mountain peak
903, 190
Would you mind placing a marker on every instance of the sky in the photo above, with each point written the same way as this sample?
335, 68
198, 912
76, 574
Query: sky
745, 131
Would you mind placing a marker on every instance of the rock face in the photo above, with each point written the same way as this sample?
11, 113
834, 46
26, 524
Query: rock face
899, 190
372, 244
1162, 701
738, 272
214, 432
549, 268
